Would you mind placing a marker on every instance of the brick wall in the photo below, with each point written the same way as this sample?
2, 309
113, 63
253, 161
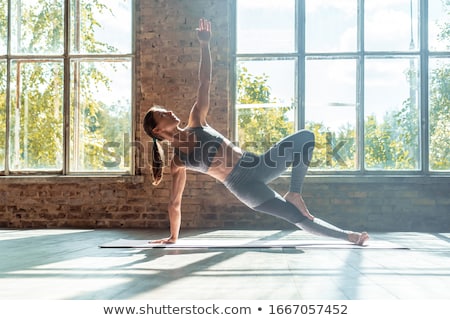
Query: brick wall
166, 73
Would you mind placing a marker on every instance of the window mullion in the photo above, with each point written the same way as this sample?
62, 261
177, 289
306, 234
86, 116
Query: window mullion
360, 89
17, 107
66, 95
133, 98
301, 25
424, 89
77, 152
8, 86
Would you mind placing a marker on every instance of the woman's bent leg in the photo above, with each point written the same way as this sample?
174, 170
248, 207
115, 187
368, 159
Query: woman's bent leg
301, 164
295, 151
260, 197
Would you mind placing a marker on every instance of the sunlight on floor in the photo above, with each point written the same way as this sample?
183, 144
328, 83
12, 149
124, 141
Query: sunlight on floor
69, 264
23, 234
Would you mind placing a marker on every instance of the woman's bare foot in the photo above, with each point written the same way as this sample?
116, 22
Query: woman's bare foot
169, 240
358, 238
297, 200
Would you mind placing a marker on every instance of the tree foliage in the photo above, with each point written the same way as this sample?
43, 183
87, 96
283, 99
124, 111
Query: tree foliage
439, 118
259, 127
37, 90
391, 143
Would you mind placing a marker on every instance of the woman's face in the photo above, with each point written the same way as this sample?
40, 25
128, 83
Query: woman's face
166, 120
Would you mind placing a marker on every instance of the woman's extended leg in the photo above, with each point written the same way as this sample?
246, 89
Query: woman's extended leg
248, 181
281, 208
260, 197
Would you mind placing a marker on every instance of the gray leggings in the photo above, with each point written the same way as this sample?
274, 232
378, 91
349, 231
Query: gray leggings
249, 178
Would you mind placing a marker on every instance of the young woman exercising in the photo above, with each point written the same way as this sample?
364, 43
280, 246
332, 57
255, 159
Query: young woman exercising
201, 148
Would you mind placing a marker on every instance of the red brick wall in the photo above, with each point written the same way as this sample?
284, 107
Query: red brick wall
167, 57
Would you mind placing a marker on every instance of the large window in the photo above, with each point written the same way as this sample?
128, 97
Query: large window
65, 86
369, 77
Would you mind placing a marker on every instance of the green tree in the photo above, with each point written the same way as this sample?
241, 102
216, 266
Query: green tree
439, 118
381, 149
333, 150
439, 104
390, 143
399, 133
259, 127
37, 117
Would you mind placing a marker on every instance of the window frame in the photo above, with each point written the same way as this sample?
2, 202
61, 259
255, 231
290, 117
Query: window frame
361, 55
68, 56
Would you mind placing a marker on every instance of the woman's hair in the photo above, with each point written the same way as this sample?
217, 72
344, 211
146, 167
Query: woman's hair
157, 152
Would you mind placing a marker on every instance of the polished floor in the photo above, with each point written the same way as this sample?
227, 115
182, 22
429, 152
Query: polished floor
68, 264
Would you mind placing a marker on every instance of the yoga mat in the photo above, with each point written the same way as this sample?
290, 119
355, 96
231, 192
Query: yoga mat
256, 244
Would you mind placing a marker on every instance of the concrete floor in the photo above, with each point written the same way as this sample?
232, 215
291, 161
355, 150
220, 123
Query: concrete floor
68, 264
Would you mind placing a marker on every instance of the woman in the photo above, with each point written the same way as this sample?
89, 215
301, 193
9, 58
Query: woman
199, 147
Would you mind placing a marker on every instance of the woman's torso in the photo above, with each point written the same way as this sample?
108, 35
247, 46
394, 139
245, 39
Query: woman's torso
209, 152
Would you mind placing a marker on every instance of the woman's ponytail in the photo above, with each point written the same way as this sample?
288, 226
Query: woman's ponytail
157, 151
157, 162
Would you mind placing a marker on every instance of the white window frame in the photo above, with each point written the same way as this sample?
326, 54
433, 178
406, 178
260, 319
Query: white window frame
423, 54
68, 57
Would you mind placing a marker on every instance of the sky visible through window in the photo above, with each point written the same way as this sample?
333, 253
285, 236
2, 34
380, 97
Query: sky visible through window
114, 29
267, 26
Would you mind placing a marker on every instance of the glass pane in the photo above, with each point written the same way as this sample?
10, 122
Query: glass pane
265, 102
331, 112
2, 114
3, 26
37, 27
331, 26
391, 25
36, 132
102, 26
438, 25
391, 114
100, 115
265, 26
439, 114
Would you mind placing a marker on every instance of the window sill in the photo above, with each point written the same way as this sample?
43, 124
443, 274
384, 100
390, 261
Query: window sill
388, 179
133, 179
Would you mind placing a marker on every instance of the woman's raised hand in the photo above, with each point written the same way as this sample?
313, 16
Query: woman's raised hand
204, 31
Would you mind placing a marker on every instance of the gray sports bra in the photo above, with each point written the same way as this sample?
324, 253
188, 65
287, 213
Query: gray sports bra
208, 143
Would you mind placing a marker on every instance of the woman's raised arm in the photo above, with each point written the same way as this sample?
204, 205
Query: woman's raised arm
201, 106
